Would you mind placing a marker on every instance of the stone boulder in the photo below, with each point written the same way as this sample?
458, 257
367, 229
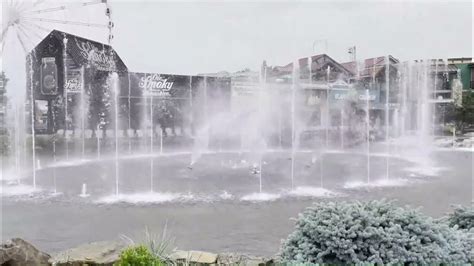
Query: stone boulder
193, 257
18, 252
242, 259
201, 258
104, 253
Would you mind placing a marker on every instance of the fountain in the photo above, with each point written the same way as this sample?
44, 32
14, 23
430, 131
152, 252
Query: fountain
293, 118
116, 89
387, 116
341, 133
275, 139
152, 126
55, 187
66, 99
32, 115
129, 114
84, 191
17, 144
328, 118
83, 115
367, 123
261, 93
98, 141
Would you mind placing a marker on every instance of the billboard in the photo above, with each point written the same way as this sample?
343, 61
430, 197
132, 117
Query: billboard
159, 85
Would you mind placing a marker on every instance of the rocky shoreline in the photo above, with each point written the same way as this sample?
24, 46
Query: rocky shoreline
16, 252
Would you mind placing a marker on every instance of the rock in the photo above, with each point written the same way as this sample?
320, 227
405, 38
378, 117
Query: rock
200, 257
104, 253
240, 259
17, 251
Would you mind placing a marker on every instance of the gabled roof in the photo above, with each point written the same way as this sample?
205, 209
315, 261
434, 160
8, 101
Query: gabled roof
370, 66
87, 52
439, 65
318, 62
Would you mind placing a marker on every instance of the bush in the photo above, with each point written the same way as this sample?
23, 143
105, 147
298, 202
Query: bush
138, 256
372, 232
462, 218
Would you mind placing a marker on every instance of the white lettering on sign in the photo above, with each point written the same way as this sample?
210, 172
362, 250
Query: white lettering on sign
156, 85
340, 96
95, 56
361, 96
73, 85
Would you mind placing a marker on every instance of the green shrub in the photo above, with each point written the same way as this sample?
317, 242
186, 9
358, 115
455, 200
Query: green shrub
372, 232
462, 217
138, 256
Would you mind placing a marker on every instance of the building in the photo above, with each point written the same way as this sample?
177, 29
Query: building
466, 68
78, 83
319, 68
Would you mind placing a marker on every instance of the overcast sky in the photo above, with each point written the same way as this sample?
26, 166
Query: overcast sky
206, 37
198, 37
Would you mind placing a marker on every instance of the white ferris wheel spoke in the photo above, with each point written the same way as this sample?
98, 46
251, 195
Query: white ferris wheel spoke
27, 36
64, 7
30, 20
37, 26
25, 49
28, 30
67, 22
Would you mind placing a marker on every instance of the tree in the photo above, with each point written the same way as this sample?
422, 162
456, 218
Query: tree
461, 115
99, 102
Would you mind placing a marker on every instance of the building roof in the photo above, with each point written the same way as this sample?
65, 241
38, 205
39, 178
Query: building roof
460, 60
87, 52
318, 62
442, 67
370, 66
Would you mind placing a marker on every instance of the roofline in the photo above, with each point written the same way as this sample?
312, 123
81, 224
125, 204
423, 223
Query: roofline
390, 56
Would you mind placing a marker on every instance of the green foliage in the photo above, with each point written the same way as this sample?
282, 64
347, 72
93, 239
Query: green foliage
462, 116
159, 245
462, 218
372, 232
138, 256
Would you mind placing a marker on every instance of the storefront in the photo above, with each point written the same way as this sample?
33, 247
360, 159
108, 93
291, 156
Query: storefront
80, 84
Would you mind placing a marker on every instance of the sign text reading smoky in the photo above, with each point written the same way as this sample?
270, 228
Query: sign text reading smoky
156, 85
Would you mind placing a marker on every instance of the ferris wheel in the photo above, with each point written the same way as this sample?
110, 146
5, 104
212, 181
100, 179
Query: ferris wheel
29, 22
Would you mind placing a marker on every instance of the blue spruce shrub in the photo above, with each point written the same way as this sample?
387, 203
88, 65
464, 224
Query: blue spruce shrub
372, 232
462, 218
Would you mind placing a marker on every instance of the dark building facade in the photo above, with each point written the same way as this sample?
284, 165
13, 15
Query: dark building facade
79, 83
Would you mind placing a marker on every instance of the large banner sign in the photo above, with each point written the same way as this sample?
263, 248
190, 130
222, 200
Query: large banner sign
99, 57
160, 85
155, 85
